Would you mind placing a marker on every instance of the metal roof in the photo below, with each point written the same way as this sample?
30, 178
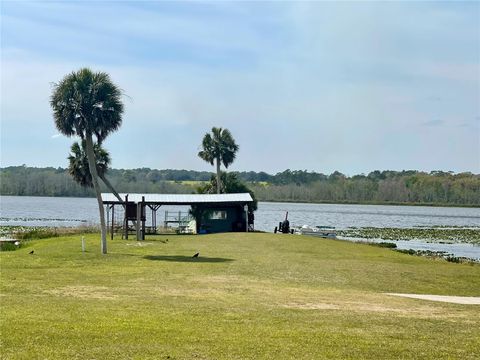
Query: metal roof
180, 199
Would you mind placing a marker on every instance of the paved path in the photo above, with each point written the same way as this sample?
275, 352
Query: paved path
468, 300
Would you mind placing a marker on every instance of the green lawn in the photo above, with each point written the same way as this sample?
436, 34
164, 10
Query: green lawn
248, 296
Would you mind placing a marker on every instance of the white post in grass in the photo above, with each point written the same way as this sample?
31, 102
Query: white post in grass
83, 244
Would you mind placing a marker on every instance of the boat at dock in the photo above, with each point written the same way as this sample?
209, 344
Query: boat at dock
328, 232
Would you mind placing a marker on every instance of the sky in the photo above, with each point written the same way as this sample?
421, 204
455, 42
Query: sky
317, 86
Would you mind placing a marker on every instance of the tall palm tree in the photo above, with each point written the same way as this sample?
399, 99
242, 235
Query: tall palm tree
219, 148
88, 104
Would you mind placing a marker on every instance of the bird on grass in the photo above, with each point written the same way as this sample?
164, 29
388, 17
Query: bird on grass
195, 255
31, 252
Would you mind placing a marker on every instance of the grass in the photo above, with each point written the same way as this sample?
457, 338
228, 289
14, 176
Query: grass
248, 296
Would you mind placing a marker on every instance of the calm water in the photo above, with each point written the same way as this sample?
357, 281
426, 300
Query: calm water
343, 216
51, 211
57, 211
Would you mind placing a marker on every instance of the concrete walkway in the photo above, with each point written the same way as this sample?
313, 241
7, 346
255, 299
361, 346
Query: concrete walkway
468, 300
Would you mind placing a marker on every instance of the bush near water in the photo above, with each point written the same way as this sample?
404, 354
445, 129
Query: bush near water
42, 232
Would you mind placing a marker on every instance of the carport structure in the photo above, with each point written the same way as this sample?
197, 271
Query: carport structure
229, 210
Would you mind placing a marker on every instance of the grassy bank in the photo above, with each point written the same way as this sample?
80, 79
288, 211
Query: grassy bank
248, 296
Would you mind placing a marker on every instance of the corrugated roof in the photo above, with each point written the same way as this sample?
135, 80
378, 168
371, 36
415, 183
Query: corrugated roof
181, 199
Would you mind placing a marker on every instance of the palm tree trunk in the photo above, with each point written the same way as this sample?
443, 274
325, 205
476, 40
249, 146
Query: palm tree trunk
96, 186
112, 189
219, 183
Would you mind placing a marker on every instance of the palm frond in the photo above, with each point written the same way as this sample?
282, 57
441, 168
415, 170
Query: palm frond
85, 102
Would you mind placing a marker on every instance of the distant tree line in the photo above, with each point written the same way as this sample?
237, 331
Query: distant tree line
402, 187
30, 181
405, 187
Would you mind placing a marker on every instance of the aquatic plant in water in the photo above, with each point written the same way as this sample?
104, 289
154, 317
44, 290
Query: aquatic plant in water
438, 255
469, 235
41, 232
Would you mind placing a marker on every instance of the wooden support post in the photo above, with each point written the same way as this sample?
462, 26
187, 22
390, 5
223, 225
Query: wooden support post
154, 217
107, 217
139, 214
246, 218
125, 222
143, 211
113, 218
154, 230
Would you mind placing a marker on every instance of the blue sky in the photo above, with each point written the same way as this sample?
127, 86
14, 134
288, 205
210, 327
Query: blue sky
319, 86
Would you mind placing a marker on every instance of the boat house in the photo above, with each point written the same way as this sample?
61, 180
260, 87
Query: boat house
212, 213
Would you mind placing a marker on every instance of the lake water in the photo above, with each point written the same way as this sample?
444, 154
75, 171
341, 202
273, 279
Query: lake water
56, 211
344, 216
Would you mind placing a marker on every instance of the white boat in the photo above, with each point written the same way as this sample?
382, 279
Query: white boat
320, 231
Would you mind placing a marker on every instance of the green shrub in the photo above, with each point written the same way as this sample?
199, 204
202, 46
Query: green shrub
384, 244
453, 259
407, 251
26, 233
9, 246
40, 233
